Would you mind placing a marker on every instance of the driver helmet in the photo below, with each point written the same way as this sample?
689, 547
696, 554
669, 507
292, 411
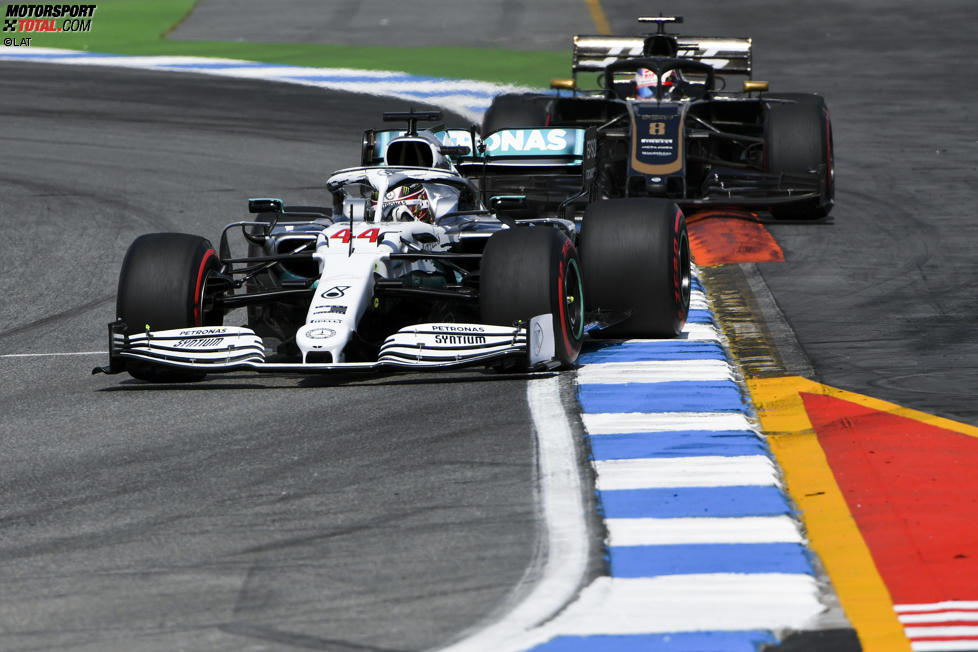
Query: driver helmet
646, 82
407, 202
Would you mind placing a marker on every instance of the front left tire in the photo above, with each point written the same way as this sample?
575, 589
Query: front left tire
637, 266
798, 139
163, 285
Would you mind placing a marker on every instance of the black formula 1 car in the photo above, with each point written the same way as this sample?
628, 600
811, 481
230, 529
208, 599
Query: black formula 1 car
664, 120
405, 269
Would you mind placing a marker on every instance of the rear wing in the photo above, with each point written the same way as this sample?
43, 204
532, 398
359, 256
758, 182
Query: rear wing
536, 147
728, 55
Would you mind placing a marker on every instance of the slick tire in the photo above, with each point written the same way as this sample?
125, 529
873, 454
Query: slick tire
798, 138
516, 110
528, 271
635, 259
163, 285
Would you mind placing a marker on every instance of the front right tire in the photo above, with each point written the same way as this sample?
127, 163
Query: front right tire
533, 270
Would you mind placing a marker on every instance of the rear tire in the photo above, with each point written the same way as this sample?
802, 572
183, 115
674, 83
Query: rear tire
635, 255
798, 138
532, 270
163, 285
516, 110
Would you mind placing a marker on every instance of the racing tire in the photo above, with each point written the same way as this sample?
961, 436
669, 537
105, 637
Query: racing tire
516, 110
798, 138
163, 285
533, 270
635, 259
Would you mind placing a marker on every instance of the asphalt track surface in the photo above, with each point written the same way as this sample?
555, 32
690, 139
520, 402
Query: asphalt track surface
258, 512
241, 513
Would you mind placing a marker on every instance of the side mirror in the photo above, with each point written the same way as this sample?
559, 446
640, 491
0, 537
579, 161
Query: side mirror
758, 86
264, 205
455, 151
507, 202
563, 84
367, 147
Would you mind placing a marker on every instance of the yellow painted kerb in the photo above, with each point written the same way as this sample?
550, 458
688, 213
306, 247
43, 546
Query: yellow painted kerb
832, 532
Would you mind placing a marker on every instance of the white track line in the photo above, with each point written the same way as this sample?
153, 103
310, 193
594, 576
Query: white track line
567, 539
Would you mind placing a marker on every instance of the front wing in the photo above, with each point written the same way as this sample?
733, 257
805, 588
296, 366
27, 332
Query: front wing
217, 349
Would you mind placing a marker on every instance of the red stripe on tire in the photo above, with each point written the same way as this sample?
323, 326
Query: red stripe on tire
200, 281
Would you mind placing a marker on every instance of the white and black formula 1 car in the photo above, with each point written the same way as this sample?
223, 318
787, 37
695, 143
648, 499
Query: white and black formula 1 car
406, 270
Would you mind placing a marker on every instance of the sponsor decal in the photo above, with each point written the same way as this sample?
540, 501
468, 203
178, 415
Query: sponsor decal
320, 333
197, 343
657, 146
539, 142
615, 52
589, 165
36, 18
456, 329
325, 321
460, 339
327, 310
335, 292
196, 332
527, 141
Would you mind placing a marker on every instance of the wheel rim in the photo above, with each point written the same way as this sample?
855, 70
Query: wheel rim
573, 298
205, 301
685, 273
202, 310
